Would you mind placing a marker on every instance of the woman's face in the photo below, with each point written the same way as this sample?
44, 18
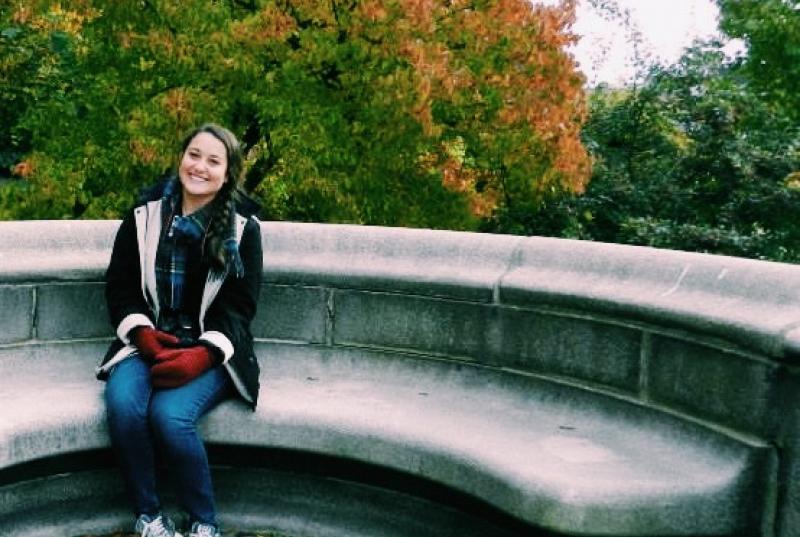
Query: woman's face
202, 170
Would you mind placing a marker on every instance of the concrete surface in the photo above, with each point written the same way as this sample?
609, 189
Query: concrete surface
587, 388
554, 456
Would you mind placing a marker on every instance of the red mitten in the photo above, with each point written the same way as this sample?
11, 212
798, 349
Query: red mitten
176, 367
150, 341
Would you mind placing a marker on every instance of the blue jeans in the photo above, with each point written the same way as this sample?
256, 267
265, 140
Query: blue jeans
142, 419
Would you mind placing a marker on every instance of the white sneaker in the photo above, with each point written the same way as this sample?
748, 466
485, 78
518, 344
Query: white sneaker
204, 530
160, 526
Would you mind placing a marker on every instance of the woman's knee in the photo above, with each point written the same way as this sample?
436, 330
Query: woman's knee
127, 393
179, 409
168, 419
124, 403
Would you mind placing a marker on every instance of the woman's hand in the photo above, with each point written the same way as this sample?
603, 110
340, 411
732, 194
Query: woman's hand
150, 341
176, 367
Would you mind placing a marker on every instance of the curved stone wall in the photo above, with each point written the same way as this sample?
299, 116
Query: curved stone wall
711, 341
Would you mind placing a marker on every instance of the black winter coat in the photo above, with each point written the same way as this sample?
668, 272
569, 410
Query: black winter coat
228, 304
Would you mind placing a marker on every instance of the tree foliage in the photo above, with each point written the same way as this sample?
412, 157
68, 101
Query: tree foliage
694, 160
461, 114
771, 30
395, 112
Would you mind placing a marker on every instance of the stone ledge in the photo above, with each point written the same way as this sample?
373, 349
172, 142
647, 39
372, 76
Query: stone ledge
751, 303
560, 458
754, 304
55, 250
418, 261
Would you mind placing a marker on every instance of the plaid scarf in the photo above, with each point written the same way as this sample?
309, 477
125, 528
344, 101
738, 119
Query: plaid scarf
179, 234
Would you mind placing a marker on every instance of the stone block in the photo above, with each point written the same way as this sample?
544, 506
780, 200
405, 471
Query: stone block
583, 349
415, 323
16, 313
788, 515
722, 386
65, 311
291, 313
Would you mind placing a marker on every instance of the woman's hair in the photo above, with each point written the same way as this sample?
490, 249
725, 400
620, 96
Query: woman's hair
224, 204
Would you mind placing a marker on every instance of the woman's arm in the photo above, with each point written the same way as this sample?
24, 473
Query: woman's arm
227, 323
127, 307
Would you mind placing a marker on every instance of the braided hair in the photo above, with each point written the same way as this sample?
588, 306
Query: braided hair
220, 237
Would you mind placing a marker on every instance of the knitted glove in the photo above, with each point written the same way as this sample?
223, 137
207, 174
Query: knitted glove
150, 341
176, 367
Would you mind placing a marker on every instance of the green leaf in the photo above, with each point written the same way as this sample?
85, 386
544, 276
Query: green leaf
11, 33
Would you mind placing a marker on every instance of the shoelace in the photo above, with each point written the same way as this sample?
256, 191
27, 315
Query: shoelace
156, 528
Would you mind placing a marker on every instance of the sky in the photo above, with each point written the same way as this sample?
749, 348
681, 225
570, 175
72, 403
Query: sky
667, 27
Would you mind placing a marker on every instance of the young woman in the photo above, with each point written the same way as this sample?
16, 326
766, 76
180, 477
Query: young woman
181, 288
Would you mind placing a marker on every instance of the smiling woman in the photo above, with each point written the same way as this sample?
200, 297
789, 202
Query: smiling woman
181, 290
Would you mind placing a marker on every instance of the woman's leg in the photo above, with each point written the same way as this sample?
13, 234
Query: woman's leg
127, 397
173, 416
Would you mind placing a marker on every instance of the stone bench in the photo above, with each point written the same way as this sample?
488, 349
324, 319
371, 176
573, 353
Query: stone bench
551, 386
